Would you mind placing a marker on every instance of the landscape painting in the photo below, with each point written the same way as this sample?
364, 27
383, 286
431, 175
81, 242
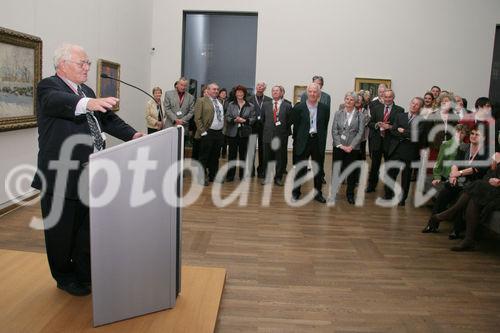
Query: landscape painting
20, 71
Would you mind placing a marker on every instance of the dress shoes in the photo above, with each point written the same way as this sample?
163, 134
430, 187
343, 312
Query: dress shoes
350, 199
205, 182
402, 203
454, 235
431, 227
464, 246
278, 182
75, 288
319, 198
370, 189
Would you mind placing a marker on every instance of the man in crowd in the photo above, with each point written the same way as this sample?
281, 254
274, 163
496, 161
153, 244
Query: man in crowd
209, 119
310, 122
381, 122
403, 148
276, 118
258, 100
178, 105
67, 107
324, 99
379, 99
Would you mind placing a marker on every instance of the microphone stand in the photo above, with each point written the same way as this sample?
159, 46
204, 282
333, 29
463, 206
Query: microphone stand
106, 76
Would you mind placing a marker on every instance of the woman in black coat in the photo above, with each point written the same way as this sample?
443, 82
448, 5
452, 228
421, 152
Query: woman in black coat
474, 199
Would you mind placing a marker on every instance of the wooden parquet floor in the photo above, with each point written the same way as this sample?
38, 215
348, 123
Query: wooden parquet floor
326, 269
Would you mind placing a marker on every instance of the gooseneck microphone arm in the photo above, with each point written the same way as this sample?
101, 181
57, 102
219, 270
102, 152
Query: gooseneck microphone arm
106, 76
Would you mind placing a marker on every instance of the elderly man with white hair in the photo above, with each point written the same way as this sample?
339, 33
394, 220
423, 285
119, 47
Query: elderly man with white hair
67, 107
310, 124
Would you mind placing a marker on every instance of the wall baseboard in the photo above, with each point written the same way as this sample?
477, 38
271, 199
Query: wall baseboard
9, 206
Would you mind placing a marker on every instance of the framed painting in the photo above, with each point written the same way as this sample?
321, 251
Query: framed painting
108, 87
370, 84
20, 72
297, 93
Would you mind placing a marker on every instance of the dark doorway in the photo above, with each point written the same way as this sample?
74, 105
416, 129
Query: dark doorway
495, 85
220, 47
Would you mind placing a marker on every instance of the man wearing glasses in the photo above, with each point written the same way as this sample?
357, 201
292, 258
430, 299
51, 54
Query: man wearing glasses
67, 107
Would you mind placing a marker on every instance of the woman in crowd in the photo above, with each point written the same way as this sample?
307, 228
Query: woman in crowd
428, 108
448, 152
473, 157
347, 131
154, 112
223, 98
240, 116
478, 200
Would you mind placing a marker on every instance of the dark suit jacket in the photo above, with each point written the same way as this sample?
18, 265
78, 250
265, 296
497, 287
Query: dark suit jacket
258, 108
402, 143
301, 126
377, 142
270, 129
463, 154
56, 103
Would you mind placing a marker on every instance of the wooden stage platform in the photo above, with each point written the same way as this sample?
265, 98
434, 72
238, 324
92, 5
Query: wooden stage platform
30, 301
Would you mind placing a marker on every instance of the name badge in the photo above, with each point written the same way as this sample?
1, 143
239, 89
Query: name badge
179, 113
343, 137
103, 135
278, 123
258, 117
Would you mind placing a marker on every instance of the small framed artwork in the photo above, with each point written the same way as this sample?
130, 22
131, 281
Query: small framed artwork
370, 84
107, 87
297, 93
20, 72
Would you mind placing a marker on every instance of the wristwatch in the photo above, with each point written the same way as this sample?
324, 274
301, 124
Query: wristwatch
460, 172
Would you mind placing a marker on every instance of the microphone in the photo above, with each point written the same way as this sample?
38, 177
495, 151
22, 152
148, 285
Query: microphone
106, 76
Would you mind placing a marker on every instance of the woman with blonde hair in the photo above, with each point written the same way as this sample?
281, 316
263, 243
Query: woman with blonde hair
154, 112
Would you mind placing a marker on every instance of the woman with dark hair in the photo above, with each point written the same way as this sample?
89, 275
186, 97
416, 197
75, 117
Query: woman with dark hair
240, 116
473, 156
428, 108
475, 200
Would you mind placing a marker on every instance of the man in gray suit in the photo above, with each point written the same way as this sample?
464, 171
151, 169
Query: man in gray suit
178, 105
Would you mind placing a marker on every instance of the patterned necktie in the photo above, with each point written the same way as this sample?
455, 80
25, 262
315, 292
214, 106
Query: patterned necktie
386, 114
217, 110
275, 111
94, 129
158, 108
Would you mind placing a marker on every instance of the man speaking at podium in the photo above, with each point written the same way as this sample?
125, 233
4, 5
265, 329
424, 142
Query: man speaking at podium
66, 107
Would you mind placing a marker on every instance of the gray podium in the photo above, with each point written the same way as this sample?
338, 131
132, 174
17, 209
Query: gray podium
135, 246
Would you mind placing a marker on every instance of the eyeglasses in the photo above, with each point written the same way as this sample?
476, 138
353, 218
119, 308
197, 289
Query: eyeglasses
82, 63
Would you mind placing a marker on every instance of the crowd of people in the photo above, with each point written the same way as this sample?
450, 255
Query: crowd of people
437, 126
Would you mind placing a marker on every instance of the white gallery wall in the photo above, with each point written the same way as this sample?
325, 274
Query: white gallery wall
416, 44
119, 31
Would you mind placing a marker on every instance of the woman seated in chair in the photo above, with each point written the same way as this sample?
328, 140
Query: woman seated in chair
471, 168
476, 200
